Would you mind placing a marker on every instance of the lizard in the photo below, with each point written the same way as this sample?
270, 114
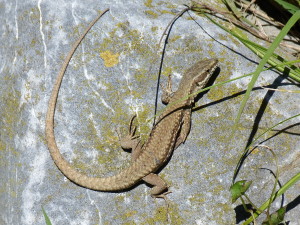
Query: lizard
170, 130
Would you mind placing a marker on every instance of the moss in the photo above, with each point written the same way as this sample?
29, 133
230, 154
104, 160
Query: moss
148, 3
154, 29
197, 199
10, 114
165, 215
124, 40
167, 71
109, 58
170, 5
33, 43
2, 146
120, 198
34, 14
218, 190
129, 223
151, 14
167, 12
175, 38
128, 214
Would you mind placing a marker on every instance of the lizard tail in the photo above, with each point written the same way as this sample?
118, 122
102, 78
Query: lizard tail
104, 184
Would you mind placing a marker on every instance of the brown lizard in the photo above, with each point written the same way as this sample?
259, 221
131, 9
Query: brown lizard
170, 130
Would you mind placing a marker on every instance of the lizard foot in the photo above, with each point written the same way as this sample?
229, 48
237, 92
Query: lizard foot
167, 92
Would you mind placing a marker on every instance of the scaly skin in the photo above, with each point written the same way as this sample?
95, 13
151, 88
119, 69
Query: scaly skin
169, 132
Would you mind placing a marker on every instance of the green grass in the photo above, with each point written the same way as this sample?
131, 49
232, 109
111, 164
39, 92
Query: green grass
47, 219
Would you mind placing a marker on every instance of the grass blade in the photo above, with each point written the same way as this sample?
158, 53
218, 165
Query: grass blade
47, 219
263, 61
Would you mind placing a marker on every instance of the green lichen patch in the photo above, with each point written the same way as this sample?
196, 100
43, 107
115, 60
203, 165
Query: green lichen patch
125, 40
151, 14
2, 148
128, 214
148, 3
154, 29
198, 199
10, 124
165, 215
10, 114
109, 58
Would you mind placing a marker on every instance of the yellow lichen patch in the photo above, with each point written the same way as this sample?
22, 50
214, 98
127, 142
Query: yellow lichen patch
109, 58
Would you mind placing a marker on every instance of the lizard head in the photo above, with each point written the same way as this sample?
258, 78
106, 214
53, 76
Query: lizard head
197, 76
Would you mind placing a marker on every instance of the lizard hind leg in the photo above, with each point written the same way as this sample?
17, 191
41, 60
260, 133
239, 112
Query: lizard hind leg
160, 187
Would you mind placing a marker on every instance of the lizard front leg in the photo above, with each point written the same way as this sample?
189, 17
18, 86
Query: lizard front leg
167, 92
131, 142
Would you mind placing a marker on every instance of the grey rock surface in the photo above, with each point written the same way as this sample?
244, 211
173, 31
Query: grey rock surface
112, 76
